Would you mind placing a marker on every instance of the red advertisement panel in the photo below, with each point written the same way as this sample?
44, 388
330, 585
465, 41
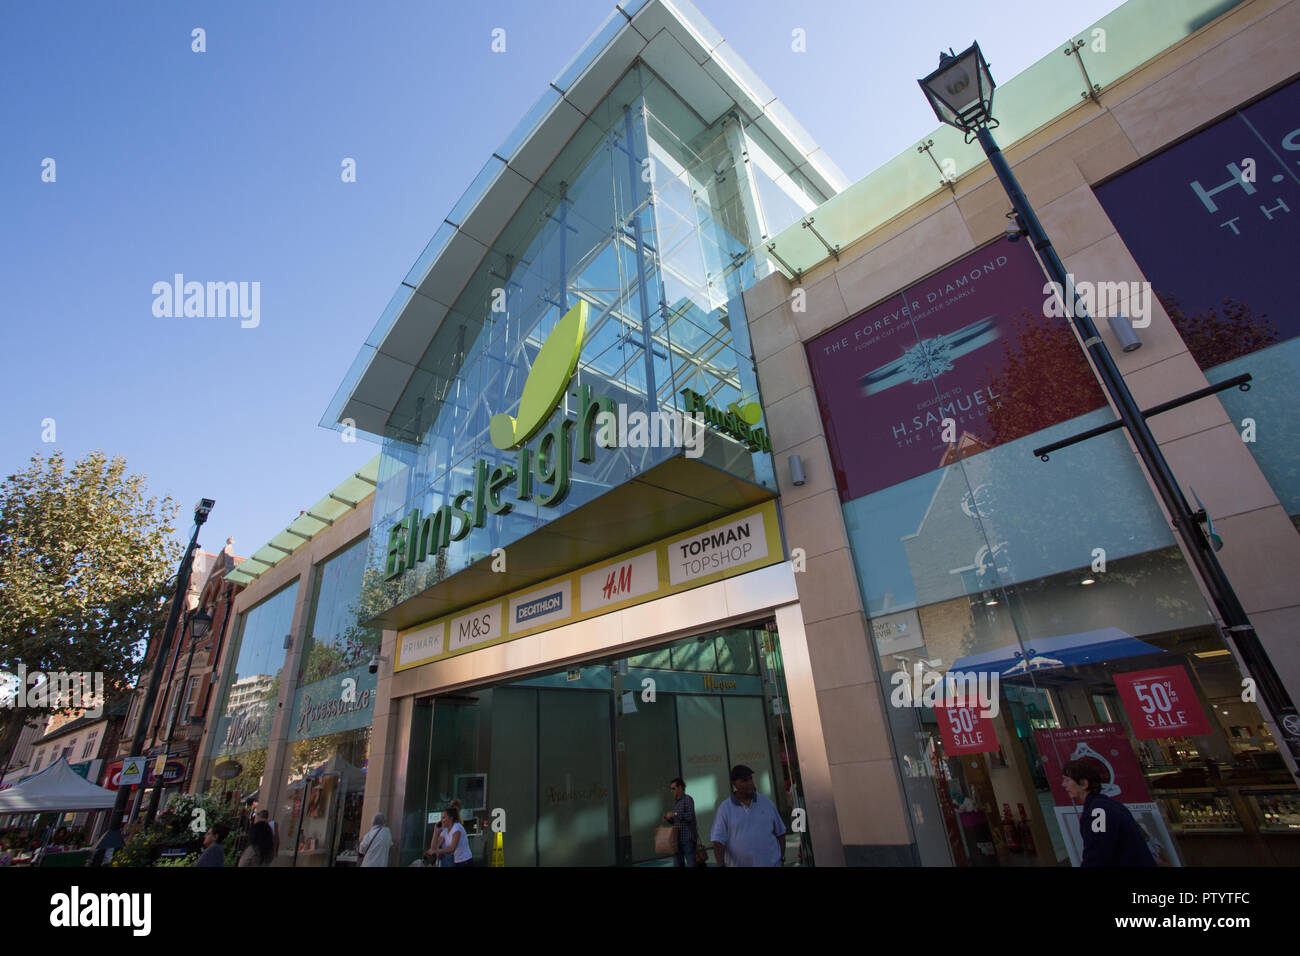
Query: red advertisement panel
1162, 703
111, 775
960, 362
1108, 743
964, 730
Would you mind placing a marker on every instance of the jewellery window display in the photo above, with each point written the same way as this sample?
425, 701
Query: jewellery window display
1275, 811
1199, 811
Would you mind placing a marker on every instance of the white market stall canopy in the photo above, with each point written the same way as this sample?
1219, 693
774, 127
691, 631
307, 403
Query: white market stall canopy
58, 787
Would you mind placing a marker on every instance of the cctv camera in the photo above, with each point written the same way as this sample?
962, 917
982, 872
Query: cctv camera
375, 661
1015, 228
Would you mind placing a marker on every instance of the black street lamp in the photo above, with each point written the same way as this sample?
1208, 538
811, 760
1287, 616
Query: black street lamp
112, 839
197, 622
961, 93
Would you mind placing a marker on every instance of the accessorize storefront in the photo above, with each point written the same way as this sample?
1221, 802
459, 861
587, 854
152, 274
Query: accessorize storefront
290, 723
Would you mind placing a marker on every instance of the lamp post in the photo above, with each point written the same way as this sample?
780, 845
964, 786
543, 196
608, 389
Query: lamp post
961, 93
197, 623
112, 839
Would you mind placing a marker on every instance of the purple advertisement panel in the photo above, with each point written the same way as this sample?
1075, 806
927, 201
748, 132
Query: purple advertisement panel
1214, 223
960, 362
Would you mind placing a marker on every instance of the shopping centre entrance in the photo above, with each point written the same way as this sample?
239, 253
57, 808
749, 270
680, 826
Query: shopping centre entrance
576, 762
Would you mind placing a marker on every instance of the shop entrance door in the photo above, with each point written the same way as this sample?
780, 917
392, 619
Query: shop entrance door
577, 762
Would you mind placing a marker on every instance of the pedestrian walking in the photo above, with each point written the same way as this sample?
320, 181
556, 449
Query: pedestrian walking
213, 854
261, 846
747, 828
265, 817
682, 816
1111, 837
376, 843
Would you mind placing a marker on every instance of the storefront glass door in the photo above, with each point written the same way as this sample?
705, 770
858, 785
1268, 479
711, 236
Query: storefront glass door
575, 763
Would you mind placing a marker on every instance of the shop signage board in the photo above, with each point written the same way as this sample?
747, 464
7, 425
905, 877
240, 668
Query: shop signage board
331, 705
1122, 782
964, 730
729, 546
1162, 703
1217, 218
934, 368
88, 769
173, 769
543, 472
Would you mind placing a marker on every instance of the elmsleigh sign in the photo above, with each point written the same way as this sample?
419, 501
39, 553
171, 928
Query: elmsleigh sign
543, 473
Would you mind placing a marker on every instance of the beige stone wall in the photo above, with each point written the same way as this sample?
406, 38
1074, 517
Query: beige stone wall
1239, 56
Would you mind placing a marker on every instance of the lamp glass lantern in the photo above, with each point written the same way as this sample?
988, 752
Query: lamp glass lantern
960, 91
200, 623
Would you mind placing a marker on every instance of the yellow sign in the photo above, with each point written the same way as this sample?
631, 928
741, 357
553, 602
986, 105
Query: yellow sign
745, 541
499, 851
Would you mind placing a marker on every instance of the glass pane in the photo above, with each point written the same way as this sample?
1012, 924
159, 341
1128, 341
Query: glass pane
575, 825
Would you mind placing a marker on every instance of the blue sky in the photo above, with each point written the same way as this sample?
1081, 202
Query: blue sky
225, 166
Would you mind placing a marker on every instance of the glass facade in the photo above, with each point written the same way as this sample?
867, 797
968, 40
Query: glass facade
648, 216
575, 763
337, 640
324, 771
250, 688
1050, 595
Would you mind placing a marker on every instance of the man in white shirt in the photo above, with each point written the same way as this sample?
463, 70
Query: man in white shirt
747, 828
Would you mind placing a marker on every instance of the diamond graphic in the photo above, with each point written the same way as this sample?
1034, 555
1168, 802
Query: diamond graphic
928, 359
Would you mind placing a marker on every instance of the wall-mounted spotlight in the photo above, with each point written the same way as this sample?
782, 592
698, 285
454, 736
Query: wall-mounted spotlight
797, 476
1124, 332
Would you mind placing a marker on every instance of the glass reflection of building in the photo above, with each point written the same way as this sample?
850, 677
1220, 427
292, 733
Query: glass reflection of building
329, 729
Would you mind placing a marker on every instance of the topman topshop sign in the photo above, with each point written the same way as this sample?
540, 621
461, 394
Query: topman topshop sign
543, 474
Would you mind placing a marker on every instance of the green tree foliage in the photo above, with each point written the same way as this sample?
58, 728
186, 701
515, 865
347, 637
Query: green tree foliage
175, 829
87, 563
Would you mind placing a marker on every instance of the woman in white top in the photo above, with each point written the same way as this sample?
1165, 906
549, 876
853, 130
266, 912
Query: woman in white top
455, 843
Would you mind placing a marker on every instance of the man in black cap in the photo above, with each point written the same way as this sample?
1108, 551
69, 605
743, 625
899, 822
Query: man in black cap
747, 828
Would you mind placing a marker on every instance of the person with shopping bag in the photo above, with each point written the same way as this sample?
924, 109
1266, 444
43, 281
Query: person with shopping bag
680, 837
